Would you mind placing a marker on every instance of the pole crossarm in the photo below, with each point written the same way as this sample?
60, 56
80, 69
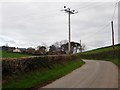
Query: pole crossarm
68, 10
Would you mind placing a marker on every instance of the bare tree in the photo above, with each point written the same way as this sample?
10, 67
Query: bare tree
83, 46
63, 42
45, 45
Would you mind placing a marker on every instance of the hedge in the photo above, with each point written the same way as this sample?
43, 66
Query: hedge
110, 54
11, 66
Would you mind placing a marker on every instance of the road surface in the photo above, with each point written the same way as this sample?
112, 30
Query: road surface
93, 74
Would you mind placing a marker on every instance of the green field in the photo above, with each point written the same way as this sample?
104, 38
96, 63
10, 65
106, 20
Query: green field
103, 49
5, 54
36, 78
104, 53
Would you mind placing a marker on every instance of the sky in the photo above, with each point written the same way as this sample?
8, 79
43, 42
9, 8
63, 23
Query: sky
29, 23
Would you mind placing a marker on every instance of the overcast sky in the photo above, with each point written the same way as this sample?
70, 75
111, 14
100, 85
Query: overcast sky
32, 23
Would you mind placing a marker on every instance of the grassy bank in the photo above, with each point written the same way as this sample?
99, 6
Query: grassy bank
102, 49
104, 53
35, 78
5, 54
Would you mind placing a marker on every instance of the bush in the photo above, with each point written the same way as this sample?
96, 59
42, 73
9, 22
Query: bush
12, 66
110, 54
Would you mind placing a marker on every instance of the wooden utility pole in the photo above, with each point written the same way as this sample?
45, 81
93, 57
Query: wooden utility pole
69, 11
112, 34
69, 45
80, 46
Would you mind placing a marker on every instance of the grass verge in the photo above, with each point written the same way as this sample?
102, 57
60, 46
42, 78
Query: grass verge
115, 61
35, 78
104, 53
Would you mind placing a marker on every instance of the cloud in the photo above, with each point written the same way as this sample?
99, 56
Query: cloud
32, 23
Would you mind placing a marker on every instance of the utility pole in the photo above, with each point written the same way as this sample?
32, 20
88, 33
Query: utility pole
80, 46
69, 11
69, 45
112, 34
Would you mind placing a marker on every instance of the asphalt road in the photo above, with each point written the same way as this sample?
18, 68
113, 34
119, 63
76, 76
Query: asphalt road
93, 74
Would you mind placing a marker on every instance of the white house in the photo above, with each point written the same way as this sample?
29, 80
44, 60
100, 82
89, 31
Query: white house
16, 50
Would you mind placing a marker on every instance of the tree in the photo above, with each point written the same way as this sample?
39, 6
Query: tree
64, 48
52, 49
41, 50
75, 46
63, 42
30, 50
56, 47
45, 45
83, 46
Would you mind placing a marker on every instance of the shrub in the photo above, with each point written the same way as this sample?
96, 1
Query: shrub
110, 54
12, 66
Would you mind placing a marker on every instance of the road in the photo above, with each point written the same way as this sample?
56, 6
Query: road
93, 74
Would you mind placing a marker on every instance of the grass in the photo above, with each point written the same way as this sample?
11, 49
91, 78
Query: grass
104, 53
102, 49
5, 54
116, 61
35, 78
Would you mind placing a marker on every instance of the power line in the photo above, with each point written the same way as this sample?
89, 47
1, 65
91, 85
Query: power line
91, 35
113, 26
105, 25
86, 6
89, 7
81, 9
108, 23
102, 28
114, 11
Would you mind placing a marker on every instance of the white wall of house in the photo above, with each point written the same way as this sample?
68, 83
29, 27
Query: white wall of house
16, 50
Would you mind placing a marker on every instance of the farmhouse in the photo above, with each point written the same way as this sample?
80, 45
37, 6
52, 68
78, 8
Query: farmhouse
16, 50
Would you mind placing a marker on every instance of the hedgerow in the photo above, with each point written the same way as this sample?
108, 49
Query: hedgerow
12, 66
